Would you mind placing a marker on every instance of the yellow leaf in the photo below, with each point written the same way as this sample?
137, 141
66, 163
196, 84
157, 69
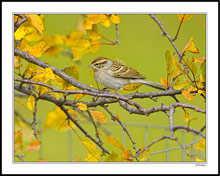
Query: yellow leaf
82, 106
126, 155
70, 88
199, 160
99, 116
114, 142
95, 46
53, 51
93, 153
38, 49
178, 66
184, 17
43, 90
31, 102
164, 82
75, 35
72, 71
17, 61
32, 34
190, 46
18, 146
94, 33
80, 48
112, 157
35, 145
178, 85
48, 75
56, 119
201, 145
199, 60
78, 96
36, 21
186, 93
144, 155
115, 19
20, 33
131, 87
202, 92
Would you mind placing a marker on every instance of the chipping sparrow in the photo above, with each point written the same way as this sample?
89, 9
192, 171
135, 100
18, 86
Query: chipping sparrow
116, 75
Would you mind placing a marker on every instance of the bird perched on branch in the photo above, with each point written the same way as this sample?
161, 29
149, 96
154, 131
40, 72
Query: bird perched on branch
116, 75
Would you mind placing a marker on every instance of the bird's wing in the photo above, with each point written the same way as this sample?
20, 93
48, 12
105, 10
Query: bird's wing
120, 70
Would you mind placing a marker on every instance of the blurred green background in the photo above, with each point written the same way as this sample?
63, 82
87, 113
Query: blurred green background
142, 47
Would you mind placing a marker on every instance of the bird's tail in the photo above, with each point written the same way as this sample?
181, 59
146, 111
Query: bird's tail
148, 83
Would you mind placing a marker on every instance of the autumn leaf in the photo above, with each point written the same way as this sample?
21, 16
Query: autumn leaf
112, 157
94, 33
190, 46
126, 155
191, 65
178, 66
164, 82
72, 71
80, 48
187, 92
203, 73
18, 146
31, 102
99, 116
35, 145
20, 33
36, 21
38, 49
184, 17
187, 118
172, 71
178, 85
82, 106
144, 155
43, 90
199, 60
201, 145
79, 96
17, 61
93, 153
44, 75
131, 87
115, 19
56, 119
114, 142
95, 46
199, 160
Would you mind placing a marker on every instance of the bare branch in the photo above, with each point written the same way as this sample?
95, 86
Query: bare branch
19, 23
166, 34
171, 112
96, 129
189, 129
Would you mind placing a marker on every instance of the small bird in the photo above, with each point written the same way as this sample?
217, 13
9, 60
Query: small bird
116, 75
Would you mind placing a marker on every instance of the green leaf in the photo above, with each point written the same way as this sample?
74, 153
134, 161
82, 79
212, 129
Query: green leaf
72, 71
191, 65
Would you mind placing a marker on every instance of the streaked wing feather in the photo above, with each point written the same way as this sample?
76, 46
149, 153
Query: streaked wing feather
122, 71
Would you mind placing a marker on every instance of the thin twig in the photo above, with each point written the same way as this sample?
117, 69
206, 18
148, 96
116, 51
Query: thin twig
117, 33
166, 34
189, 129
122, 125
21, 157
146, 148
96, 129
178, 30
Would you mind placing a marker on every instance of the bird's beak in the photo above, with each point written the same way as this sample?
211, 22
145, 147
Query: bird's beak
90, 66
